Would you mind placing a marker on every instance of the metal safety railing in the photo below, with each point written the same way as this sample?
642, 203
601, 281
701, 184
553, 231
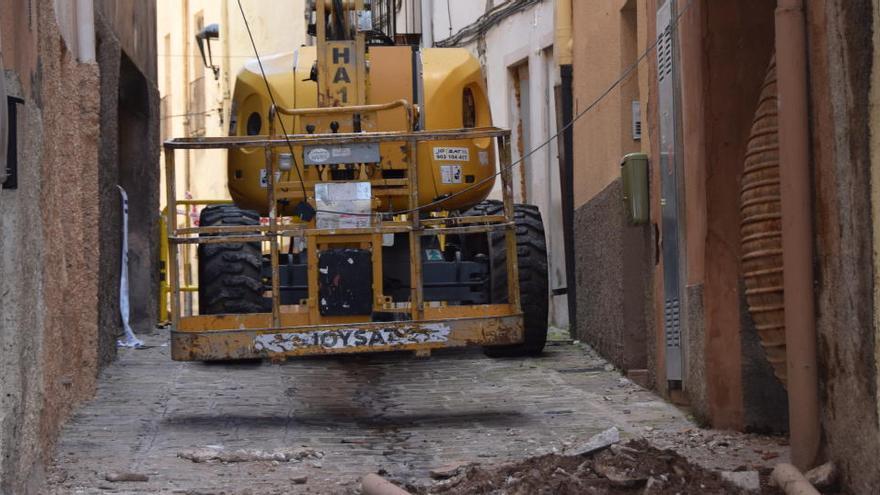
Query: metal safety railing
164, 286
274, 232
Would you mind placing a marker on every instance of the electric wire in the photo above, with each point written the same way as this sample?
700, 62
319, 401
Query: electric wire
274, 104
623, 77
503, 169
449, 16
485, 22
195, 114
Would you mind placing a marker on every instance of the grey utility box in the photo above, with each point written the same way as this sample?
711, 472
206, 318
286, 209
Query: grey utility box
634, 178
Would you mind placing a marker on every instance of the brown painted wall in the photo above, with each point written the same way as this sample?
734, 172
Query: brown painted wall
614, 260
737, 48
841, 57
603, 47
724, 48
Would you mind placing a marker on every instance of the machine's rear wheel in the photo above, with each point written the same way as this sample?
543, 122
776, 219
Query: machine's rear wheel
229, 273
531, 248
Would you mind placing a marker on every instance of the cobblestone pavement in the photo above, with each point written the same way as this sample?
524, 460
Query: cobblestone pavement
389, 412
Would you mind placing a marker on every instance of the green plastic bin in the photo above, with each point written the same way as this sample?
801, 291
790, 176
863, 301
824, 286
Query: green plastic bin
634, 176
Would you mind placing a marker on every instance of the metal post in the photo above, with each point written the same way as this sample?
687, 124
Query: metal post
187, 265
163, 264
312, 269
510, 216
378, 289
170, 231
415, 240
273, 240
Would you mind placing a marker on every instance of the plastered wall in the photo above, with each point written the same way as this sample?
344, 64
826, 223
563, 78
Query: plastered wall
842, 59
52, 341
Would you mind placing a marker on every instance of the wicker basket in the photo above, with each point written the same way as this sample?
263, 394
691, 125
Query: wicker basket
761, 228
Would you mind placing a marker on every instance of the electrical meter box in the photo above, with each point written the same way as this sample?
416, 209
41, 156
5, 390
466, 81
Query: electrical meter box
634, 178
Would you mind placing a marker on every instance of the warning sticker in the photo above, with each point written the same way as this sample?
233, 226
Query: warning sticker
450, 174
484, 157
452, 154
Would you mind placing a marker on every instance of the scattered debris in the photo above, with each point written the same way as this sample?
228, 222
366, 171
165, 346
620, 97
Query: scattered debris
597, 442
299, 480
207, 454
749, 481
124, 477
620, 477
822, 477
721, 451
632, 468
447, 471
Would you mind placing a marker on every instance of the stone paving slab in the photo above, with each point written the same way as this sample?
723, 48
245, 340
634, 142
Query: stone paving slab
390, 412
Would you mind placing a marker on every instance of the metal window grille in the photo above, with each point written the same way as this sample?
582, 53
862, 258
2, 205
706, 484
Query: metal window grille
165, 115
636, 120
197, 106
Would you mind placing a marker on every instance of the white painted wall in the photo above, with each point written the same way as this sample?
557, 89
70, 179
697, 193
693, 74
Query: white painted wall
524, 38
277, 26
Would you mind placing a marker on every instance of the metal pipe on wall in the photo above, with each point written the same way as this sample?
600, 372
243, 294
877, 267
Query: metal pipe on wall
563, 45
427, 23
797, 233
563, 48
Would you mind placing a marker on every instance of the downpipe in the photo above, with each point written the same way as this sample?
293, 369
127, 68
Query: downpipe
85, 26
564, 58
797, 233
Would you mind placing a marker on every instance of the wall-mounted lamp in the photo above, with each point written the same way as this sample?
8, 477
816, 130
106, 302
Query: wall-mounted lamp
210, 32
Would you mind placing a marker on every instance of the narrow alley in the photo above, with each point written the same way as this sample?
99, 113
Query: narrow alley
347, 417
440, 247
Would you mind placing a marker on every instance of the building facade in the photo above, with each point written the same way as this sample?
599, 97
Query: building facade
514, 41
196, 100
82, 110
750, 294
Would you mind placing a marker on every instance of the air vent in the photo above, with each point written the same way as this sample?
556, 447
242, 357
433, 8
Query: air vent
664, 54
637, 120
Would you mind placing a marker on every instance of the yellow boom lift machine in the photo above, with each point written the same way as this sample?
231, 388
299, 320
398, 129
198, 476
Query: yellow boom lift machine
359, 170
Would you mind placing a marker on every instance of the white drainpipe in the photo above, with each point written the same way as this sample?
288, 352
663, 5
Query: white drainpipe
85, 30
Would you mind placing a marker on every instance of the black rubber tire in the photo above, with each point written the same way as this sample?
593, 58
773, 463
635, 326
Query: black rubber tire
229, 273
531, 249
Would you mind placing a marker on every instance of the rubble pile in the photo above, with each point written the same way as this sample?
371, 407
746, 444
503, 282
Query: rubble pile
632, 468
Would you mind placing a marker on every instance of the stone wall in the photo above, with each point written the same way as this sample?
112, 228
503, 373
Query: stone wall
128, 157
841, 57
49, 227
52, 341
613, 270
